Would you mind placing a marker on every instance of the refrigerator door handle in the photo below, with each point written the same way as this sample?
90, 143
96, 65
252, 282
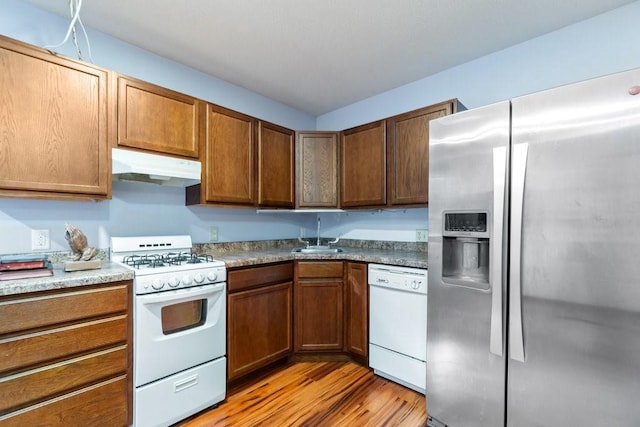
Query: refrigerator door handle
495, 268
519, 169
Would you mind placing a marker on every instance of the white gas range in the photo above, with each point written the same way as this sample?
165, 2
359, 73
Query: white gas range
179, 327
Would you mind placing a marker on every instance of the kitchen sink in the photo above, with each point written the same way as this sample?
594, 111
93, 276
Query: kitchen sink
318, 250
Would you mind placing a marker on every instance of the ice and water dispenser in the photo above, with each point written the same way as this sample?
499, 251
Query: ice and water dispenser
465, 258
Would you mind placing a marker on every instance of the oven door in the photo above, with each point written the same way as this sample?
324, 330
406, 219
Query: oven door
176, 330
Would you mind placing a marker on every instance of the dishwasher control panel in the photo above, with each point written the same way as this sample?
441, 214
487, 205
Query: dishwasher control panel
395, 277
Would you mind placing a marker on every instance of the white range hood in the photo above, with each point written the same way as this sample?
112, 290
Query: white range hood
128, 165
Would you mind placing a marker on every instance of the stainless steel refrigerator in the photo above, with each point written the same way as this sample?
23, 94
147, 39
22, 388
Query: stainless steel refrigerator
534, 260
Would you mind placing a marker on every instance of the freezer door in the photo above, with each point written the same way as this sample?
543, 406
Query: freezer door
574, 329
468, 157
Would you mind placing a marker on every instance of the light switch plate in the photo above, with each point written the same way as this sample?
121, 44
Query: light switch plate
213, 234
422, 235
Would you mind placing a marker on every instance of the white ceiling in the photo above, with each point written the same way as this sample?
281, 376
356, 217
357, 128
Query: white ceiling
319, 55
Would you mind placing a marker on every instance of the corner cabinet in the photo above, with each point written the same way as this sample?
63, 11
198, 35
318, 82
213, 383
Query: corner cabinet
259, 323
363, 181
276, 167
408, 153
66, 357
57, 119
318, 309
153, 118
317, 170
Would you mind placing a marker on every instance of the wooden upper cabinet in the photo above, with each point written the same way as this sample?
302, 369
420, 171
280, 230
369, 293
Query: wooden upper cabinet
317, 170
363, 166
276, 147
56, 122
154, 118
229, 160
408, 153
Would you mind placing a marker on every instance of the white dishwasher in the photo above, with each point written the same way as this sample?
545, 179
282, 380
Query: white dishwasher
398, 324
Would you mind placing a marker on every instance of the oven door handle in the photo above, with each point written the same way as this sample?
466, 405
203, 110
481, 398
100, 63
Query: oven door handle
182, 294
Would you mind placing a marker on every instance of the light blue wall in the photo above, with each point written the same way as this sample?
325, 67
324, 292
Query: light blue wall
140, 209
601, 45
604, 44
25, 22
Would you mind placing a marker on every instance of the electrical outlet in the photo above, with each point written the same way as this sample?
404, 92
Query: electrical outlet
213, 234
422, 235
40, 240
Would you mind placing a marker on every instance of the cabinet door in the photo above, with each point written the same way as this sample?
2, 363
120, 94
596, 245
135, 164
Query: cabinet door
153, 118
275, 166
363, 179
57, 120
259, 328
408, 154
230, 157
357, 309
319, 316
319, 306
317, 170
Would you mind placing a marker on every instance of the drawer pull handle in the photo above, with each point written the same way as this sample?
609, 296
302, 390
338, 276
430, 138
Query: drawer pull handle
184, 384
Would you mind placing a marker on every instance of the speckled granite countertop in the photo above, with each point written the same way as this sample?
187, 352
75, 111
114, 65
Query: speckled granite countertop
242, 254
110, 272
234, 255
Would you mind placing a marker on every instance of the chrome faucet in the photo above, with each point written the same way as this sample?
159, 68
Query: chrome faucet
318, 245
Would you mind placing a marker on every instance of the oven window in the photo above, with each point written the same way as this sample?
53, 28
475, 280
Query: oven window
183, 316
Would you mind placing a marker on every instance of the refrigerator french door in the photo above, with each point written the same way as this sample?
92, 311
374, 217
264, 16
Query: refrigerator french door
534, 277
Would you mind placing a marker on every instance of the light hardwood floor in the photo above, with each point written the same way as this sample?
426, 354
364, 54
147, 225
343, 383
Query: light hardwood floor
318, 394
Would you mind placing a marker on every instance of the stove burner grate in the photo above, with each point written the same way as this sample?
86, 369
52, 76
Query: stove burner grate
165, 260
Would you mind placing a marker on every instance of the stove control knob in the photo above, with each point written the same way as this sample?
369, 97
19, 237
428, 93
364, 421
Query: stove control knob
199, 278
174, 282
157, 284
186, 279
212, 276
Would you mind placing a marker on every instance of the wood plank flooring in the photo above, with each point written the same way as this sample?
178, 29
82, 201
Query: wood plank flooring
318, 394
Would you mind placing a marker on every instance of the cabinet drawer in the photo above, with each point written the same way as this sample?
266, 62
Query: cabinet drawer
315, 269
21, 352
41, 384
259, 276
105, 404
42, 311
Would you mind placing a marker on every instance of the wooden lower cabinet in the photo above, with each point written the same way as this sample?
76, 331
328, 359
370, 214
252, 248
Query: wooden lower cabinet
319, 306
259, 324
66, 357
357, 310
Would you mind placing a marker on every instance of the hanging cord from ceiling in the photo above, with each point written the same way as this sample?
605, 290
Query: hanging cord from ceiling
74, 13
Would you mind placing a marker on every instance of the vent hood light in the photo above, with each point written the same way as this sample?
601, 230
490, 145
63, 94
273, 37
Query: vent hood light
137, 166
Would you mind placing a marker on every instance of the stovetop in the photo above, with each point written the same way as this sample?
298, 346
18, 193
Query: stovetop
163, 263
170, 259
